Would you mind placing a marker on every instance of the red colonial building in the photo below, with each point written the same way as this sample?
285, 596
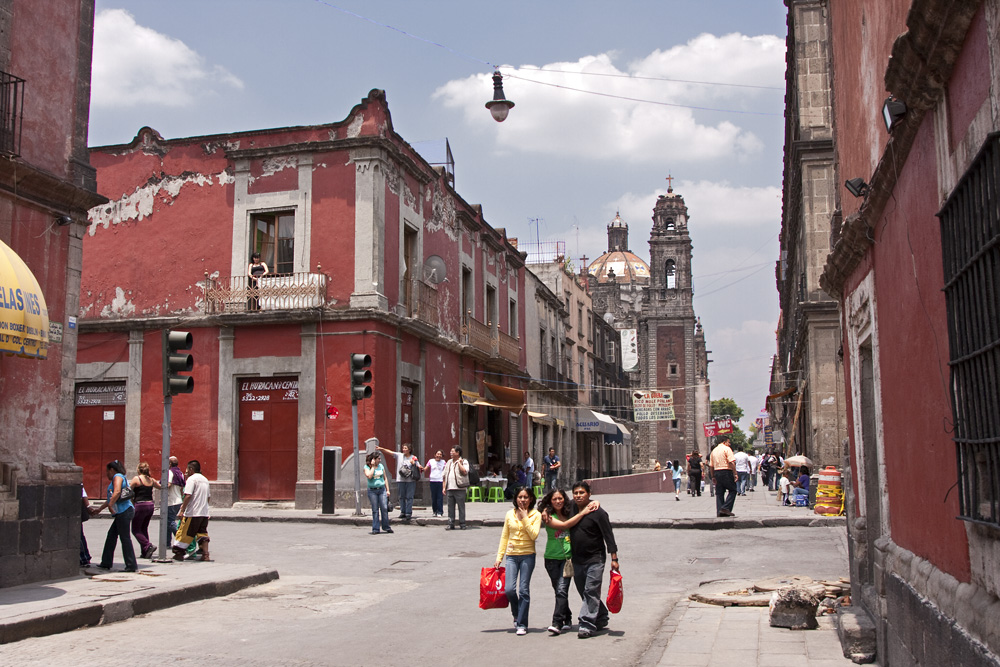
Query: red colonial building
369, 248
914, 266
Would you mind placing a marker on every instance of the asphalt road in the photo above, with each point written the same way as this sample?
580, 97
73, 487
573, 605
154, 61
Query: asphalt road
346, 597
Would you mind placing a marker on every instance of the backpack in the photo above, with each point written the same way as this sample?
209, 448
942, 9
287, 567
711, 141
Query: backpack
473, 476
411, 470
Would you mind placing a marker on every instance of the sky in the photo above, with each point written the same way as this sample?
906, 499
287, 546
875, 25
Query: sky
688, 89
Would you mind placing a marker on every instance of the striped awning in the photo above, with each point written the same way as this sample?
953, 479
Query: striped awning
24, 317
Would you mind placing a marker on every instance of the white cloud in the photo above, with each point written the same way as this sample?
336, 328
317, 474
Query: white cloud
135, 65
742, 372
551, 119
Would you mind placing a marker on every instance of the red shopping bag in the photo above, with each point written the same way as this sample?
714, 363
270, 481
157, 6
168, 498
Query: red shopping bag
616, 591
491, 588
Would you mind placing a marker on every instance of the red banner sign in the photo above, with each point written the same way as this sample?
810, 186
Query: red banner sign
718, 427
709, 429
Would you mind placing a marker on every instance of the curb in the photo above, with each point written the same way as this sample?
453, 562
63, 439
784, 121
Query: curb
88, 614
813, 521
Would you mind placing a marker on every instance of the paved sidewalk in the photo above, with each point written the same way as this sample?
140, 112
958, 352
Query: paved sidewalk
36, 610
758, 509
704, 635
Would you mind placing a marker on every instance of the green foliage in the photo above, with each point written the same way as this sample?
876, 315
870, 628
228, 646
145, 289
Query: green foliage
726, 406
738, 439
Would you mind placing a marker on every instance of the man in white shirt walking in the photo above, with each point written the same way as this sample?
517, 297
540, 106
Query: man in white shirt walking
193, 514
742, 471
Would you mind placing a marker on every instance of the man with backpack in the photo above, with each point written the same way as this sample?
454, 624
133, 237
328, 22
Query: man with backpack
456, 481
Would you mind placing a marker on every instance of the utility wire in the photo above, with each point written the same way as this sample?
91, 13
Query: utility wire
648, 78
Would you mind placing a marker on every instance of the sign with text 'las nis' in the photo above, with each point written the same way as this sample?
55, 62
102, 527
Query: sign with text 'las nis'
653, 406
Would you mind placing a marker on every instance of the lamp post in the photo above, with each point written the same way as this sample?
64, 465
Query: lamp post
499, 106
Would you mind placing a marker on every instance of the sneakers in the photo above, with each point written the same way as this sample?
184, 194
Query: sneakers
584, 633
521, 630
567, 627
677, 498
553, 630
387, 530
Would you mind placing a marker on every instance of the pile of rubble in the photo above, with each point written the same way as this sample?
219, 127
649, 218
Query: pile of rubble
796, 605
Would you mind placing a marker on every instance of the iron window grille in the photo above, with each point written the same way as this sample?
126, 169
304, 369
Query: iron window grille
970, 241
11, 109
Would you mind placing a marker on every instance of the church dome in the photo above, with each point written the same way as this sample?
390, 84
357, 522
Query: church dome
619, 264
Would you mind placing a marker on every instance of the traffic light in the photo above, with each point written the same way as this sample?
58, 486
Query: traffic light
176, 362
360, 377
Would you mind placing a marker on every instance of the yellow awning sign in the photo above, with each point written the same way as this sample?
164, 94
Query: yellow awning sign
24, 317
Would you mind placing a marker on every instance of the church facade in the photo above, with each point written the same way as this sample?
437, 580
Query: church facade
655, 301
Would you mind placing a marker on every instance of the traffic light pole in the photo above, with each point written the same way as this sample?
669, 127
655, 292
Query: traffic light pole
357, 460
165, 480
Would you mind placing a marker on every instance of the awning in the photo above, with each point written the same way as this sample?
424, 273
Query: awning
591, 421
560, 423
626, 435
541, 417
503, 398
24, 317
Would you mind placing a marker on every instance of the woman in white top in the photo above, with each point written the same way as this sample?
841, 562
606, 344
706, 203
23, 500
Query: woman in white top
435, 469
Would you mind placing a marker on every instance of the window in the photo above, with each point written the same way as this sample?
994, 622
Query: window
673, 369
669, 224
491, 306
512, 318
970, 242
611, 351
467, 294
11, 100
671, 273
410, 271
273, 236
673, 424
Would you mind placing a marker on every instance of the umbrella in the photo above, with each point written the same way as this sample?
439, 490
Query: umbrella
24, 317
798, 461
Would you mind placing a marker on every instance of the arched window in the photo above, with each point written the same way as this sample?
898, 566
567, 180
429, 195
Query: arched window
670, 224
671, 273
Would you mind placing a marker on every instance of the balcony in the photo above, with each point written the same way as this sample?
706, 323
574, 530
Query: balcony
11, 101
420, 300
280, 292
478, 335
509, 348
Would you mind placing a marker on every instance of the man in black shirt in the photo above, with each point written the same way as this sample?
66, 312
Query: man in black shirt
589, 538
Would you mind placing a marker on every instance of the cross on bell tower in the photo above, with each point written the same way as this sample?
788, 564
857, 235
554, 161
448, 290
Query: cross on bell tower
670, 183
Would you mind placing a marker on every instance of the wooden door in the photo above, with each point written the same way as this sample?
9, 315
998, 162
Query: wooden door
268, 438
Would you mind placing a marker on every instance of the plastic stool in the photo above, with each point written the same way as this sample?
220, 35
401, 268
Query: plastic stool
495, 495
475, 494
539, 491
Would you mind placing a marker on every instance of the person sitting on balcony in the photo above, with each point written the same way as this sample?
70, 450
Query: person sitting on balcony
256, 270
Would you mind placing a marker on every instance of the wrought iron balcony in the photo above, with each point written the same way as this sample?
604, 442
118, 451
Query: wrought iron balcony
237, 294
420, 300
509, 348
11, 103
478, 335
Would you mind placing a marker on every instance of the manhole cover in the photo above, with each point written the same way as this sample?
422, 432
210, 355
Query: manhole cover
469, 554
709, 561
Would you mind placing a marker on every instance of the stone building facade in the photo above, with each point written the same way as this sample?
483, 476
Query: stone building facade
812, 417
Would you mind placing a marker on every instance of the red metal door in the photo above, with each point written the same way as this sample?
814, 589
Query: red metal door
406, 416
98, 432
268, 437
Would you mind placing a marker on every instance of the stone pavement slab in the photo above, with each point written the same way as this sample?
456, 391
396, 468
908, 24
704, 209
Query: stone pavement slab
100, 597
708, 635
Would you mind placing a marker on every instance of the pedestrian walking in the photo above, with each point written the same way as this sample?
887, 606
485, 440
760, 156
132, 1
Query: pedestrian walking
589, 538
529, 468
723, 464
742, 471
551, 465
142, 488
407, 474
193, 514
675, 469
84, 516
378, 493
456, 481
754, 465
517, 553
694, 472
558, 516
435, 471
122, 512
175, 493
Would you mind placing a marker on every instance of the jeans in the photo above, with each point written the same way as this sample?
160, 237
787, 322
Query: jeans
550, 480
437, 498
519, 569
380, 505
119, 531
172, 511
800, 492
560, 584
593, 613
406, 490
724, 482
84, 551
140, 524
743, 481
456, 497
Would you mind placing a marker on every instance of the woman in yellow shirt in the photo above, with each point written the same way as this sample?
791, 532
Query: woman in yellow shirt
517, 544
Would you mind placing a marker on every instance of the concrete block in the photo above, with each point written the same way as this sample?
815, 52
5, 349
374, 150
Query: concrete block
8, 538
30, 497
53, 533
857, 634
29, 539
11, 570
794, 608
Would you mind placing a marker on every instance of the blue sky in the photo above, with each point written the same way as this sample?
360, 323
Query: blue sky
569, 158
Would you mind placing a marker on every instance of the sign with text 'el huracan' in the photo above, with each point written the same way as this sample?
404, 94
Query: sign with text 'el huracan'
653, 406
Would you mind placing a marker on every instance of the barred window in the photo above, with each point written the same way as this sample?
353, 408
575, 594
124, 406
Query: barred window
970, 241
